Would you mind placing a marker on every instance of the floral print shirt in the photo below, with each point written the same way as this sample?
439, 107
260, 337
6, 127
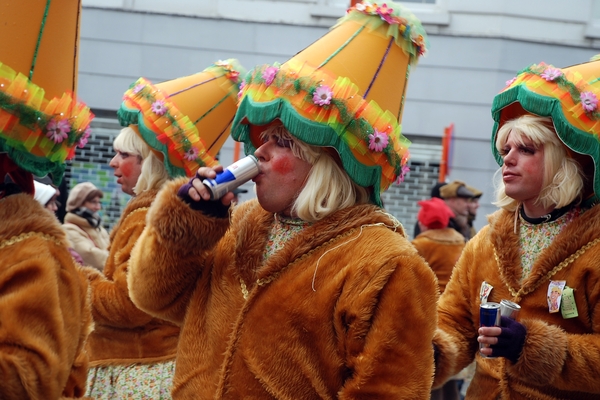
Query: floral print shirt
283, 229
535, 238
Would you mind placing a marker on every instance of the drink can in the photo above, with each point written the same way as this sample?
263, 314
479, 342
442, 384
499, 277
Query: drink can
509, 309
489, 315
232, 177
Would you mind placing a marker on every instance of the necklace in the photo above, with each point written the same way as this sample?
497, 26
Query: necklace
552, 216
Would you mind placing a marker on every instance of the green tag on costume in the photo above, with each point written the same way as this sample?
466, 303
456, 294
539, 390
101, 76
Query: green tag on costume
568, 308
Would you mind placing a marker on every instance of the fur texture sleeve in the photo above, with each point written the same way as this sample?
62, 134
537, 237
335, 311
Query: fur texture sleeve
543, 356
456, 339
388, 326
169, 257
44, 318
111, 304
554, 357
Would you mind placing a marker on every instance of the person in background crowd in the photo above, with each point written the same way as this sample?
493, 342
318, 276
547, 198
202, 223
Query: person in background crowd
457, 197
311, 291
545, 235
132, 354
84, 226
435, 193
438, 244
441, 247
473, 207
45, 313
47, 196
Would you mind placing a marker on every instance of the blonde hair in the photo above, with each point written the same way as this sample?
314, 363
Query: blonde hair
328, 188
563, 177
154, 173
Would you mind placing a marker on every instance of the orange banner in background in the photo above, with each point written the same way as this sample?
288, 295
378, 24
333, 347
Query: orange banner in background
446, 150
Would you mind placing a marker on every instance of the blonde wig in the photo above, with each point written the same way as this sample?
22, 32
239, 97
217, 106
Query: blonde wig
153, 174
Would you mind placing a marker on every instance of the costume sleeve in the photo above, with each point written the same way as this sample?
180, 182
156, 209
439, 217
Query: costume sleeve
171, 254
550, 355
388, 326
42, 319
456, 337
111, 304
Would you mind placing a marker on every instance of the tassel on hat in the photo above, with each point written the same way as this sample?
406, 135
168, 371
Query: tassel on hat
344, 91
186, 120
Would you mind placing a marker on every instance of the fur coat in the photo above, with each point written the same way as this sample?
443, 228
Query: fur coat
124, 334
346, 309
561, 357
89, 242
441, 249
45, 314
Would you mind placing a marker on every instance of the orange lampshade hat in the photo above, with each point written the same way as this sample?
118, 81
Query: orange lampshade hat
41, 121
344, 91
185, 120
570, 97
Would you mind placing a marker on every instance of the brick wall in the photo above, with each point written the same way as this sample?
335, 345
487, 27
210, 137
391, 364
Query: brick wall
90, 164
401, 200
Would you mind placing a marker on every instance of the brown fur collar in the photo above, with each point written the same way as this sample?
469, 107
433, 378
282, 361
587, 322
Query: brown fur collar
142, 200
252, 224
506, 244
446, 236
34, 218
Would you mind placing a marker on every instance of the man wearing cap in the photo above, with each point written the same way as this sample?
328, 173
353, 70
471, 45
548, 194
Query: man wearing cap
457, 196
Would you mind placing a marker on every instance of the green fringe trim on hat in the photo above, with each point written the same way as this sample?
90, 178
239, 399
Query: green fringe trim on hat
128, 116
39, 166
575, 139
310, 132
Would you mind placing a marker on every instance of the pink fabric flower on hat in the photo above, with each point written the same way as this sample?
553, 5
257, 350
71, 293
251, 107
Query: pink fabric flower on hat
159, 107
242, 85
58, 131
191, 154
385, 13
589, 101
322, 95
510, 81
551, 74
84, 138
233, 75
138, 88
405, 170
378, 141
269, 75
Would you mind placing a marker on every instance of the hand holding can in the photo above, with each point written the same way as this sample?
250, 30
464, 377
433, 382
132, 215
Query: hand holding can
232, 177
489, 315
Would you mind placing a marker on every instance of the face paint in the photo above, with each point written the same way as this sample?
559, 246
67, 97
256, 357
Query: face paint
282, 165
127, 169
